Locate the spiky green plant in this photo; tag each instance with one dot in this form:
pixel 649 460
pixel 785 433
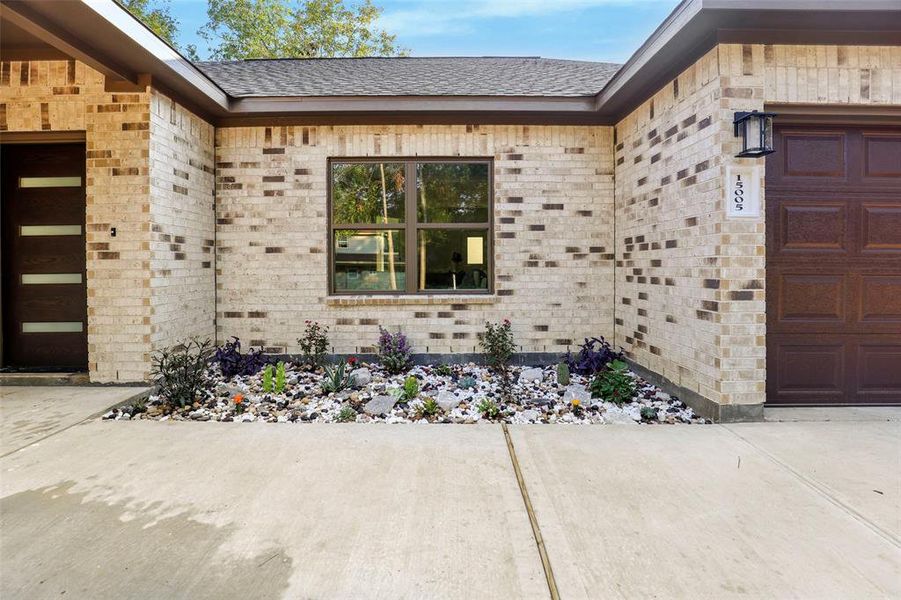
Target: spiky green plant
pixel 409 391
pixel 337 379
pixel 267 379
pixel 428 408
pixel 280 382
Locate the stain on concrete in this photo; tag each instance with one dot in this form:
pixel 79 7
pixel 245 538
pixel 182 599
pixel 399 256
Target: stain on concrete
pixel 60 543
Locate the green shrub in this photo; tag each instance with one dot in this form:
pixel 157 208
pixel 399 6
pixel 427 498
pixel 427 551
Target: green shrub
pixel 314 344
pixel 179 371
pixel 614 383
pixel 499 347
pixel 337 379
pixel 489 408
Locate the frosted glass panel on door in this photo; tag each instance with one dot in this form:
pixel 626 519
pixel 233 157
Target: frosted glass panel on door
pixel 34 230
pixel 49 182
pixel 53 327
pixel 49 278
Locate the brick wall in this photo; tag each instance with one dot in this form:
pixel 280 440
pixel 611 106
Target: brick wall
pixel 183 295
pixel 149 175
pixel 69 96
pixel 553 243
pixel 690 301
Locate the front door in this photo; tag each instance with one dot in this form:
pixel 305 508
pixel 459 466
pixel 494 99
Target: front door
pixel 43 261
pixel 833 197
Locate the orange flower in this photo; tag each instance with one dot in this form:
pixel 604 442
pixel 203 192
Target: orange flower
pixel 239 398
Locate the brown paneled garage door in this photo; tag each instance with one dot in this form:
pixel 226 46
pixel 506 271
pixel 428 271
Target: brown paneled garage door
pixel 833 215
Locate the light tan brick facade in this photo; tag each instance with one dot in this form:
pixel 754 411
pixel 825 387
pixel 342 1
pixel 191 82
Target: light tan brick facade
pixel 690 298
pixel 614 231
pixel 129 277
pixel 183 223
pixel 553 190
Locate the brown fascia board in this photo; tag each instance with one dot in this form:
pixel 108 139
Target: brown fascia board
pixel 382 110
pixel 696 26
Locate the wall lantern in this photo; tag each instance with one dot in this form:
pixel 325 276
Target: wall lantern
pixel 756 132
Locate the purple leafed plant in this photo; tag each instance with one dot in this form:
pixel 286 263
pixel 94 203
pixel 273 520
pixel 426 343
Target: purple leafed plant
pixel 232 362
pixel 395 351
pixel 593 356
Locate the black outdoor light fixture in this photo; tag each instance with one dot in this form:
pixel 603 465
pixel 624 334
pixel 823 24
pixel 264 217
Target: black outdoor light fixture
pixel 756 132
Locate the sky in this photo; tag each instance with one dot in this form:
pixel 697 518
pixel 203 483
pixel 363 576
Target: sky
pixel 597 30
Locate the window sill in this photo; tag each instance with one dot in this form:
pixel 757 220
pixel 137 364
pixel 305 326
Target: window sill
pixel 410 299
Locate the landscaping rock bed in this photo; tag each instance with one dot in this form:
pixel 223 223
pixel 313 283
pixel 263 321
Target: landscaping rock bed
pixel 459 393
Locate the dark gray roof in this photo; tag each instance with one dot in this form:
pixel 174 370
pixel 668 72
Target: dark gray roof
pixel 410 76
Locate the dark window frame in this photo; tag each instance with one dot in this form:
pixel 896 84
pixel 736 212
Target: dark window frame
pixel 410 227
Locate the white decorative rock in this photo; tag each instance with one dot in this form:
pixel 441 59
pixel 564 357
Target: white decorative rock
pixel 379 405
pixel 618 416
pixel 530 414
pixel 447 400
pixel 361 377
pixel 577 392
pixel 533 374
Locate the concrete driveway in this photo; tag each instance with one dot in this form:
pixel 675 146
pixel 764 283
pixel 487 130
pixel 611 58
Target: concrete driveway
pixel 207 510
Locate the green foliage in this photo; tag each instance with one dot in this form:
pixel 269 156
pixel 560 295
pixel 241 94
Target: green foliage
pixel 563 374
pixel 368 192
pixel 179 371
pixel 489 408
pixel 139 406
pixel 280 382
pixel 444 370
pixel 498 344
pixel 614 383
pixel 337 379
pixel 467 383
pixel 156 15
pixel 295 29
pixel 346 415
pixel 409 391
pixel 649 413
pixel 428 408
pixel 267 379
pixel 314 343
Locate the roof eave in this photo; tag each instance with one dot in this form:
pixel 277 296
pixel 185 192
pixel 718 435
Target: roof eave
pixel 695 26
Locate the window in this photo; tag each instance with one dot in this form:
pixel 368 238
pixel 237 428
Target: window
pixel 410 226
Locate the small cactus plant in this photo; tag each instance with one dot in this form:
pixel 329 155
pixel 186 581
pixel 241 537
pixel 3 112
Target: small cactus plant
pixel 563 374
pixel 267 379
pixel 280 378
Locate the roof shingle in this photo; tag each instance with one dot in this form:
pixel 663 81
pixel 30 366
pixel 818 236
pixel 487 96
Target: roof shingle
pixel 410 76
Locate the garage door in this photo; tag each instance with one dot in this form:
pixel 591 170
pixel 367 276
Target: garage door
pixel 833 215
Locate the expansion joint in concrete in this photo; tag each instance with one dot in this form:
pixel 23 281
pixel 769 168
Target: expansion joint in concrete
pixel 822 490
pixel 533 520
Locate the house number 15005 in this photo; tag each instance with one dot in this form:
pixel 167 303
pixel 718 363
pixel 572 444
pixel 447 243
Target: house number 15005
pixel 742 192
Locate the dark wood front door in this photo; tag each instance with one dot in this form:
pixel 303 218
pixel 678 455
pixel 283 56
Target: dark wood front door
pixel 44 293
pixel 833 212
